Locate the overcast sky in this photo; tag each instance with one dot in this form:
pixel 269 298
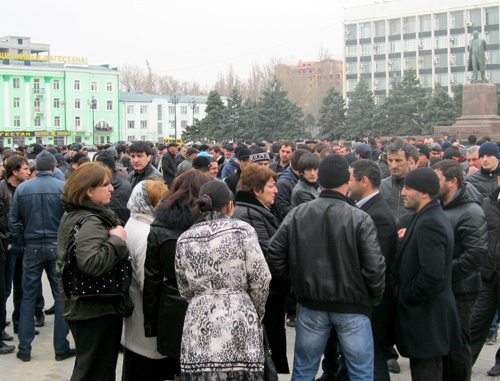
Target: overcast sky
pixel 189 40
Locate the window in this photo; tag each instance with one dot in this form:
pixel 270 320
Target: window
pixel 36 86
pixel 394 27
pixel 94 103
pixel 352 51
pixel 440 21
pixel 144 109
pixel 494 57
pixel 19 41
pixel 365 67
pixel 409 25
pixel 131 138
pixel 395 46
pixel 131 124
pixel 78 121
pixel 457 19
pixel 109 105
pixel 425 23
pixel 475 17
pixel 76 85
pixel 366 30
pixel 184 110
pixel 491 15
pixel 351 68
pixel 184 124
pixel 93 86
pixel 160 112
pixel 380 66
pixel 57 84
pixel 160 128
pixel 379 28
pixel 351 84
pixel 16 83
pixel 410 63
pixel 197 110
pixel 144 124
pixel 366 50
pixel 171 109
pixel 109 86
pixel 78 103
pixel 38 121
pixel 459 40
pixel 492 37
pixel 144 138
pixel 59 140
pixel 17 121
pixel 350 31
pixel 425 43
pixel 17 102
pixel 441 42
pixel 57 121
pixel 172 124
pixel 395 65
pixel 130 109
pixel 37 105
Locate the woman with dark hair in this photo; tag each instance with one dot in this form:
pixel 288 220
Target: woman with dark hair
pixel 222 273
pixel 255 204
pixel 95 323
pixel 307 187
pixel 164 308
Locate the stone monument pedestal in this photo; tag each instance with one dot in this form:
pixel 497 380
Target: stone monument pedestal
pixel 479 113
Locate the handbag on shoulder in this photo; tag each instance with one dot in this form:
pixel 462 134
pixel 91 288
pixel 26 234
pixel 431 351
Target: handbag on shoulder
pixel 115 282
pixel 270 372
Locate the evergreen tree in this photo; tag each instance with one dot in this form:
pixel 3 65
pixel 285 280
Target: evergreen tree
pixel 248 116
pixel 192 133
pixel 311 128
pixel 332 116
pixel 402 111
pixel 439 111
pixel 276 116
pixel 361 111
pixel 212 125
pixel 235 124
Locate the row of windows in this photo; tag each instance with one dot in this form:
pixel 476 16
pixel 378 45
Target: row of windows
pixel 421 62
pixel 56 85
pixel 37 121
pixel 424 23
pixel 442 42
pixel 144 124
pixel 171 110
pixel 426 80
pixel 57 104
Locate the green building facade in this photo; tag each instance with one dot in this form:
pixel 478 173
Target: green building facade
pixel 58 103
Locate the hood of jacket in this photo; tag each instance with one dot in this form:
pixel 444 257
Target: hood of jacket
pixel 288 174
pixel 178 216
pixel 139 200
pixel 466 194
pixel 91 207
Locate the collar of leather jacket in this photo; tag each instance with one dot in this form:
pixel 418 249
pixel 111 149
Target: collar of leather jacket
pixel 337 195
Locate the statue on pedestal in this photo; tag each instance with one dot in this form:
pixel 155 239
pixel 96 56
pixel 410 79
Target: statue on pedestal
pixel 477 58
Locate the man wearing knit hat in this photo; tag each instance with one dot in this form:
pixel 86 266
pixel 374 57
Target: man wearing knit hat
pixel 427 320
pixel 260 156
pixel 485 180
pixel 338 276
pixel 424 152
pixel 34 219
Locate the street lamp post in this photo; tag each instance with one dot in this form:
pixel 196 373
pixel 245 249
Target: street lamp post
pixel 93 103
pixel 174 99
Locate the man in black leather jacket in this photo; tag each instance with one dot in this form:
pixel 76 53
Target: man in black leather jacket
pixel 338 275
pixel 462 205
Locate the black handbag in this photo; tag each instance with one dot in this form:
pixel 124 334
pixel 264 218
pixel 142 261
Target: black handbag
pixel 115 282
pixel 270 372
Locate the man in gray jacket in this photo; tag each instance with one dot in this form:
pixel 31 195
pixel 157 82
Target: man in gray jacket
pixel 485 179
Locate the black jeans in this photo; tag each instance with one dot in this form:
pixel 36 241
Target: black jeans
pixel 457 366
pixel 2 286
pixel 138 368
pixel 482 315
pixel 426 369
pixel 97 343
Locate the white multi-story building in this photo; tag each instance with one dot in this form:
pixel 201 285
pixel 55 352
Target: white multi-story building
pixel 431 37
pixel 153 117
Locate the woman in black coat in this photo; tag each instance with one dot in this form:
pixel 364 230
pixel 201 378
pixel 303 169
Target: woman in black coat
pixel 164 308
pixel 254 204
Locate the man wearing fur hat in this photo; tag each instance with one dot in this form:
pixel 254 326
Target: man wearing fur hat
pixel 427 324
pixel 338 277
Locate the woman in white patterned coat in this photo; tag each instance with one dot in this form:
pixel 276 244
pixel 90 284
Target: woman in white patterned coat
pixel 222 272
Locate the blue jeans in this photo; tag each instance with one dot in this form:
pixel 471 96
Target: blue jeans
pixel 36 259
pixel 14 279
pixel 355 336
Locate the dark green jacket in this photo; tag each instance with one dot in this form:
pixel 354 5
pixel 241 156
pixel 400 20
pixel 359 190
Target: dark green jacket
pixel 97 253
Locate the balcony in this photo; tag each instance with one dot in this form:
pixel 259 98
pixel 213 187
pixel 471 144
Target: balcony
pixel 39 92
pixel 38 110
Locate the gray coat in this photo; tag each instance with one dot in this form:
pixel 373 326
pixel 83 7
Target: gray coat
pixel 304 192
pixel 391 189
pixel 484 181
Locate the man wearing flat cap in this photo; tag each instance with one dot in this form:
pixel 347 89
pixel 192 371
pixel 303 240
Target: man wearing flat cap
pixel 168 163
pixel 427 324
pixel 338 277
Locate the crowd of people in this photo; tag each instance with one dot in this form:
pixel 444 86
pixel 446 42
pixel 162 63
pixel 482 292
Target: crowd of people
pixel 370 250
